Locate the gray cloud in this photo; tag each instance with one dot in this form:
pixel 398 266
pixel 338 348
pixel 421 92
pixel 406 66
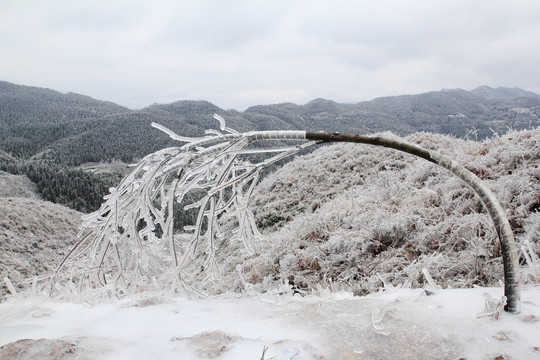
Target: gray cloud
pixel 242 53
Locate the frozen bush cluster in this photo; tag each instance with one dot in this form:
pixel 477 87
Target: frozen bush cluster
pixel 129 244
pixel 34 237
pixel 361 218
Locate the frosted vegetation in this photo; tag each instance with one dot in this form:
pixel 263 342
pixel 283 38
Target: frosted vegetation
pixel 17 186
pixel 359 218
pixel 345 217
pixel 34 234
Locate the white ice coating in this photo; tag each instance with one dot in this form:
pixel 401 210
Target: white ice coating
pixel 132 242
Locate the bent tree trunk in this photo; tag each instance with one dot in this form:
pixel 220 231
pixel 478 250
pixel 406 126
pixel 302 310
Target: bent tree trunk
pixel 494 208
pixel 114 237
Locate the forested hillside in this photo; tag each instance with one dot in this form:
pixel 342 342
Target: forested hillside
pixel 62 184
pixel 47 135
pixel 31 118
pixel 73 129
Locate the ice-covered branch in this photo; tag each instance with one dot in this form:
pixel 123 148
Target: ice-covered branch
pixel 131 238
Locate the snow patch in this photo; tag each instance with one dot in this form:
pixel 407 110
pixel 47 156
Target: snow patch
pixel 401 323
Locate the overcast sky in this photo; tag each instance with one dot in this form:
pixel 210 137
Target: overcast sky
pixel 242 53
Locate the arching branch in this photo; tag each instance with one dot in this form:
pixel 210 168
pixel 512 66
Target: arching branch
pixel 116 243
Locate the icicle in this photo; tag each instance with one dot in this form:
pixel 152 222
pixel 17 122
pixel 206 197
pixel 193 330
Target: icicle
pixel 222 125
pixel 174 135
pixel 377 316
pixel 10 286
pixel 433 286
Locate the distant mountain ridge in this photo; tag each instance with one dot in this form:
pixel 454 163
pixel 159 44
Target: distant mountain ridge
pixel 502 92
pixel 72 129
pixel 47 135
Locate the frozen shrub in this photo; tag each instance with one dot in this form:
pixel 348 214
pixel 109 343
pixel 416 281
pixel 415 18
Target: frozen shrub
pixel 34 237
pixel 392 214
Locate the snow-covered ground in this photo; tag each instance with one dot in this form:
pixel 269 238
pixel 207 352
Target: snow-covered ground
pixel 394 324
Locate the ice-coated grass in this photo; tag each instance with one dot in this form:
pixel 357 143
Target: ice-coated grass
pixel 358 217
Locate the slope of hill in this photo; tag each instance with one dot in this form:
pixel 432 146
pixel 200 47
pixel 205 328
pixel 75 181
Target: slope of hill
pixel 502 92
pixel 73 187
pixel 17 186
pixel 345 217
pixel 456 112
pixel 45 129
pixel 352 217
pixel 34 235
pixel 32 118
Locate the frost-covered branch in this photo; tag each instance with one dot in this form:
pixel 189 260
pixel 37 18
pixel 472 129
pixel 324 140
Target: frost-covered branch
pixel 122 241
